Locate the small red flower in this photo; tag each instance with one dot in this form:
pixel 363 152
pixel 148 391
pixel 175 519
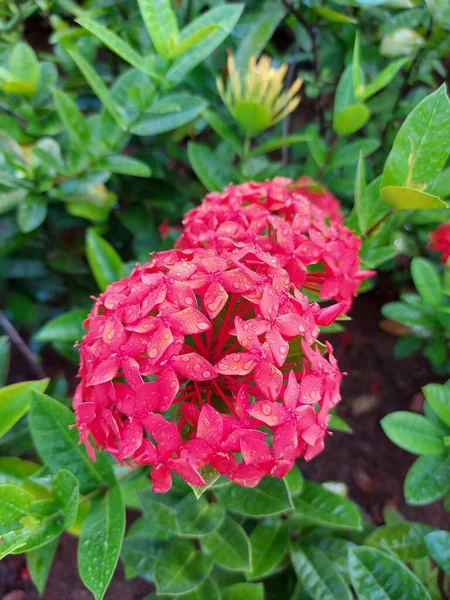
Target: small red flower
pixel 185 361
pixel 298 222
pixel 440 241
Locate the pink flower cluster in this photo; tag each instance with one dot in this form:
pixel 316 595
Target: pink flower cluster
pixel 294 221
pixel 200 359
pixel 440 241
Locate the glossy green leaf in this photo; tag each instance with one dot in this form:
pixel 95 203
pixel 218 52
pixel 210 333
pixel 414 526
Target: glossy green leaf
pixel 337 424
pixel 350 119
pixel 317 505
pixel 375 574
pixel 438 397
pixel 106 265
pixel 18 472
pixel 161 510
pixel 15 503
pixel 23 63
pixel 275 143
pixel 139 554
pixel 168 113
pixel 119 46
pixel 100 542
pixel 420 149
pixel 57 442
pixel 197 517
pixel 270 497
pixel 31 213
pixel 228 546
pixel 207 166
pixel 161 24
pixel 225 17
pixel 71 116
pixel 15 401
pixel 362 206
pixel 401 42
pixel 410 316
pixel 383 79
pixel 294 481
pixel 428 479
pixel 125 165
pixel 67 327
pixel 179 48
pixel 221 127
pixel 317 574
pixel 357 73
pixel 427 281
pixel 39 563
pixel 269 541
pixel 179 568
pixel 438 545
pixel 413 433
pixel 333 16
pixel 259 34
pixel 404 198
pixel 66 493
pixel 5 355
pixel 207 590
pixel 348 153
pixel 99 88
pixel 243 591
pixel 405 540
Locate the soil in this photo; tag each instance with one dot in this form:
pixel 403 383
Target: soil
pixel 371 466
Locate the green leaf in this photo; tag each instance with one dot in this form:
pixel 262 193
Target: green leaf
pixel 39 563
pixel 383 78
pixel 161 24
pixel 268 498
pixel 225 17
pixel 421 148
pixel 269 541
pixel 358 75
pixel 401 42
pixel 375 574
pixel 15 503
pixel 66 493
pixel 100 542
pixel 332 15
pixel 139 553
pixel 168 113
pixel 427 480
pixel 405 540
pixel 260 33
pixel 413 433
pixel 17 471
pixel 5 355
pixel 221 127
pixel 67 327
pixel 337 424
pixel 294 481
pixel 177 49
pixel 243 591
pixel 317 574
pixel 350 119
pixel 179 568
pixel 228 546
pixel 362 206
pixel 23 70
pixel 106 265
pixel 71 116
pixel 197 517
pixel 119 46
pixel 57 442
pixel 15 401
pixel 348 153
pixel 207 590
pixel 161 511
pixel 125 165
pixel 98 87
pixel 438 545
pixel 410 316
pixel 209 169
pixel 404 198
pixel 439 398
pixel 31 213
pixel 275 143
pixel 427 281
pixel 317 505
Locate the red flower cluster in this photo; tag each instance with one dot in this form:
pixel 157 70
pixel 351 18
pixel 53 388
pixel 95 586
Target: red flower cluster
pixel 199 359
pixel 293 221
pixel 440 241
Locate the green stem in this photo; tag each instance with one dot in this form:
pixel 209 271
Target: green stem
pixel 246 148
pixel 379 222
pixel 104 487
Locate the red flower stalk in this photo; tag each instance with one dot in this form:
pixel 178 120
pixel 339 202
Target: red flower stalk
pixel 291 220
pixel 440 241
pixel 185 361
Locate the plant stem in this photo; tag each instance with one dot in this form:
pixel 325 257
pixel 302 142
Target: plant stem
pixel 105 487
pixel 329 156
pixel 17 340
pixel 246 149
pixel 378 223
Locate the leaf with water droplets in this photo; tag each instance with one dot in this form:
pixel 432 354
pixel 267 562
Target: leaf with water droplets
pixel 269 498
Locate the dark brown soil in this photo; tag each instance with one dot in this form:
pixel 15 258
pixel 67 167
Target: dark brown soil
pixel 372 467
